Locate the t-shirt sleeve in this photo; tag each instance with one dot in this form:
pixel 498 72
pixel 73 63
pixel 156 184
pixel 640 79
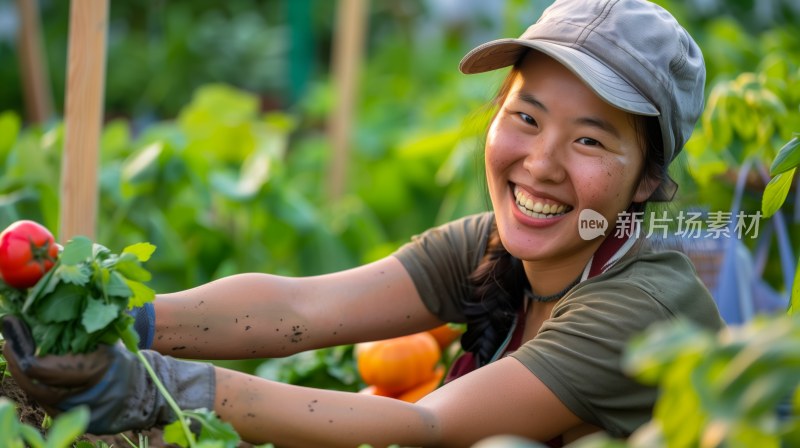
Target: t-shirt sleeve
pixel 578 353
pixel 441 259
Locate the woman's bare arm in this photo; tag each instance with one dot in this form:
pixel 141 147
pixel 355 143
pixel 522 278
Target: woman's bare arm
pixel 262 315
pixel 501 398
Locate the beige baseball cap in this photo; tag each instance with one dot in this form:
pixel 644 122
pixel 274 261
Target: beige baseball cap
pixel 631 53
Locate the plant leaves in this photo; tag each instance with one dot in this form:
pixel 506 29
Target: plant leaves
pixel 141 294
pixel 81 342
pixel 649 356
pixel 775 193
pixel 128 265
pixel 788 157
pixel 76 250
pixel 44 286
pixel 794 300
pixel 76 274
pixel 67 427
pixel 9 426
pixel 173 433
pixel 143 251
pixel 214 429
pixel 46 336
pixel 98 314
pixel 32 436
pixel 116 286
pixel 63 304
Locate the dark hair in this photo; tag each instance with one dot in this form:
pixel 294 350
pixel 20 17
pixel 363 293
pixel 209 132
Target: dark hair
pixel 499 281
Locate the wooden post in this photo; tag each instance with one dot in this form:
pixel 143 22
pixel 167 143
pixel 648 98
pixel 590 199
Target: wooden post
pixel 348 43
pixel 33 64
pixel 83 116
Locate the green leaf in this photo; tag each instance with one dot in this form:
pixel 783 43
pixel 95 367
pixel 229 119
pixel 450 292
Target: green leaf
pixel 63 304
pixel 775 193
pixel 651 355
pixel 47 336
pixel 141 294
pixel 254 173
pixel 76 250
pixel 87 444
pixel 116 286
pixel 214 429
pixel 142 165
pixel 98 314
pixel 129 266
pixel 44 286
pixel 100 252
pixel 794 303
pixel 76 274
pixel 10 124
pixel 32 436
pixel 9 425
pixel 129 336
pixel 788 157
pixel 143 251
pixel 67 427
pixel 81 342
pixel 173 433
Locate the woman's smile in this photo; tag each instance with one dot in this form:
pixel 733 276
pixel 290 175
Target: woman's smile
pixel 536 206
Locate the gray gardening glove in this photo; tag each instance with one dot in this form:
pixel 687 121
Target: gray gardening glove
pixel 111 381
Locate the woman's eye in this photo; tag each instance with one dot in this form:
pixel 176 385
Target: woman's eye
pixel 527 118
pixel 589 141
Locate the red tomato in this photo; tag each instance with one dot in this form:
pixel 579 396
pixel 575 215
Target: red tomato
pixel 27 252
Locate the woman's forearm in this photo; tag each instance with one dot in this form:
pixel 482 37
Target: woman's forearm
pixel 242 316
pixel 264 411
pixel 261 315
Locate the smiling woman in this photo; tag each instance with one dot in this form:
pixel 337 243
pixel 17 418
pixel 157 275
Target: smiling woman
pixel 600 98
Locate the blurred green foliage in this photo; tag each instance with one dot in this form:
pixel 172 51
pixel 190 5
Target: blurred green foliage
pixel 743 386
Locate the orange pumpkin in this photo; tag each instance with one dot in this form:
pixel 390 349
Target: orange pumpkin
pixel 398 364
pixel 415 393
pixel 445 335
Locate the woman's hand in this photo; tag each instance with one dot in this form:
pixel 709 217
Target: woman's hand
pixel 111 381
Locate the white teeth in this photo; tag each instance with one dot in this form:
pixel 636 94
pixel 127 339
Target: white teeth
pixel 538 209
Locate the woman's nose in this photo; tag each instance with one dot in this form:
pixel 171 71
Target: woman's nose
pixel 545 161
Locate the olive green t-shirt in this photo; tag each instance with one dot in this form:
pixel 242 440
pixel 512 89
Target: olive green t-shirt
pixel 577 352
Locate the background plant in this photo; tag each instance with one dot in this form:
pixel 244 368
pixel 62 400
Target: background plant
pixel 62 434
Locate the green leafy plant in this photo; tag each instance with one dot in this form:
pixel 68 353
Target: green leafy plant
pixel 81 301
pixel 739 387
pixel 328 368
pixel 62 434
pixel 782 171
pixel 737 380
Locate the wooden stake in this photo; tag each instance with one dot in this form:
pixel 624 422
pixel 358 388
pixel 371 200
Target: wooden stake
pixel 83 116
pixel 33 64
pixel 348 43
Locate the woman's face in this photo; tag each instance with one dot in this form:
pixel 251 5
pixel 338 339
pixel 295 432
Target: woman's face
pixel 553 149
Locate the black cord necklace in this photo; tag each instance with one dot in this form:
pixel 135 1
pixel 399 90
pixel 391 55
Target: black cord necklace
pixel 529 294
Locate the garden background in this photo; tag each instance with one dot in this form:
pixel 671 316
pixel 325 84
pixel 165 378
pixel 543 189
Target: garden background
pixel 216 145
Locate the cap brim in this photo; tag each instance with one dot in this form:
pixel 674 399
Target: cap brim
pixel 597 76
